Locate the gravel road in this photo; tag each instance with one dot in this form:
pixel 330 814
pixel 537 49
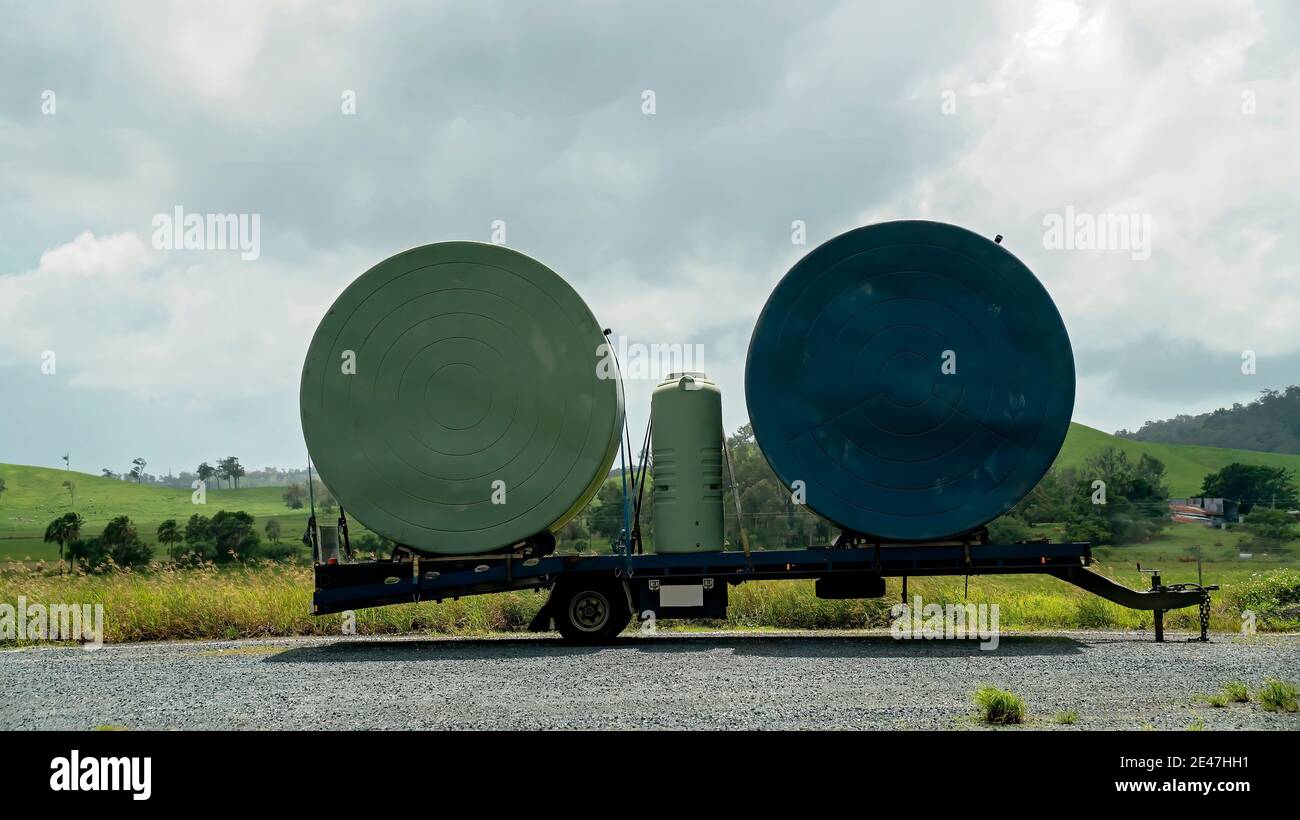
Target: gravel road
pixel 695 681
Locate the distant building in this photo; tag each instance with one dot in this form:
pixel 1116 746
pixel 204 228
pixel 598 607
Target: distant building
pixel 1211 512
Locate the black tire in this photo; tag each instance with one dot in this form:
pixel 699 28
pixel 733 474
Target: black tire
pixel 589 610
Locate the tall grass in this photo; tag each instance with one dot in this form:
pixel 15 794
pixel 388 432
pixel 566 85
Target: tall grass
pixel 274 599
pixel 261 600
pixel 1278 696
pixel 998 706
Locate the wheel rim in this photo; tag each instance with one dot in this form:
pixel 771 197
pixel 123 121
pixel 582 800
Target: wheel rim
pixel 589 611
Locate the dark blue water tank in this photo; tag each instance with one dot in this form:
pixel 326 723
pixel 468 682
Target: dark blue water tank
pixel 914 376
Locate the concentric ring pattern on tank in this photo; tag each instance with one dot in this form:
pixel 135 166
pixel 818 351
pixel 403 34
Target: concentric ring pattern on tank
pixel 910 380
pixel 452 400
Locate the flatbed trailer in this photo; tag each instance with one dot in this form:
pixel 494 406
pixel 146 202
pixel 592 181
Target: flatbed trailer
pixel 594 597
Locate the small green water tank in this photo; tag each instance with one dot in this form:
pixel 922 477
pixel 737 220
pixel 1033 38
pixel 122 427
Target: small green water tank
pixel 686 431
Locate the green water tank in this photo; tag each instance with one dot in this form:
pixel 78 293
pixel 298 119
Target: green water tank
pixel 686 432
pixel 454 400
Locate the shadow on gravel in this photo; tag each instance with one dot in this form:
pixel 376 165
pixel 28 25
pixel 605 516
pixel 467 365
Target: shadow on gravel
pixel 777 646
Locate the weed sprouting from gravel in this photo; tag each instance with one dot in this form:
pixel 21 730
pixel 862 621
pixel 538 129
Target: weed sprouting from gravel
pixel 998 706
pixel 1068 717
pixel 1236 692
pixel 1218 701
pixel 1278 696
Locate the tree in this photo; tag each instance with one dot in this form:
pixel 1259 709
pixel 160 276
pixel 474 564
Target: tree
pixel 230 469
pixel 294 496
pixel 1251 484
pixel 606 516
pixel 1049 501
pixel 205 472
pixel 123 543
pixel 277 550
pixel 373 545
pixel 1266 424
pixel 63 530
pixel 108 473
pixel 72 490
pixel 324 498
pixel 1134 506
pixel 89 552
pixel 169 535
pixel 1269 529
pixel 234 536
pixel 2 486
pixel 137 469
pixel 198 537
pixel 197 528
pixel 1009 529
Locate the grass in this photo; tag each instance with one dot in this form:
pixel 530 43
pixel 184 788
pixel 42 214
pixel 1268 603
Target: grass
pixel 1236 692
pixel 998 707
pixel 34 496
pixel 1068 717
pixel 1278 696
pixel 274 599
pixel 1232 692
pixel 1185 464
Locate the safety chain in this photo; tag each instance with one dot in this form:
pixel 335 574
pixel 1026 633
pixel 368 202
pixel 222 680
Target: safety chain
pixel 1205 617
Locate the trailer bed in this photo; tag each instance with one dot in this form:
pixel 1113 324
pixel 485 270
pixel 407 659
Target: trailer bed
pixel 694 584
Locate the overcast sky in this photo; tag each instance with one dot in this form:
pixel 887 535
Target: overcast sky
pixel 673 225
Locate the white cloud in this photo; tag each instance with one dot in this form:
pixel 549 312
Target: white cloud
pixel 199 328
pixel 673 227
pixel 1117 109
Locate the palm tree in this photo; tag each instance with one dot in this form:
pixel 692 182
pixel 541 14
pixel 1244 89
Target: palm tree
pixel 169 533
pixel 64 529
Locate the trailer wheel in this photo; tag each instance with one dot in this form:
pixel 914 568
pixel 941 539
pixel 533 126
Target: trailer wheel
pixel 590 611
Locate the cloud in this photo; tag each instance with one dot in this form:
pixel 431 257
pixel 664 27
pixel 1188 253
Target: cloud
pixel 1107 108
pixel 202 328
pixel 674 227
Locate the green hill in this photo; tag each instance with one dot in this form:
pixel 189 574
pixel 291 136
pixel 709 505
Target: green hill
pixel 1270 423
pixel 1186 464
pixel 36 495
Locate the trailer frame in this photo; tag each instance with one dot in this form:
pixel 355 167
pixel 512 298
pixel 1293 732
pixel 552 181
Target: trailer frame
pixel 694 585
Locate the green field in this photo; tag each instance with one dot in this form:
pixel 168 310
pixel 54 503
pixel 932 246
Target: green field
pixel 1186 464
pixel 35 495
pixel 262 599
